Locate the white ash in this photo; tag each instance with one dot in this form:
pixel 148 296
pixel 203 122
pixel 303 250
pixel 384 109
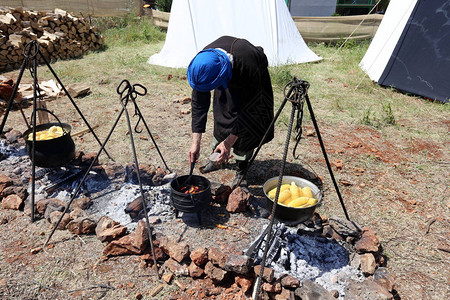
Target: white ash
pixel 12 150
pixel 113 204
pixel 338 279
pixel 312 257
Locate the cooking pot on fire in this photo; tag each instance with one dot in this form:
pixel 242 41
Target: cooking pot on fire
pixel 292 214
pixel 54 152
pixel 190 196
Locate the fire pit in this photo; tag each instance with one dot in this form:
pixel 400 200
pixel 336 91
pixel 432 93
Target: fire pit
pixel 192 197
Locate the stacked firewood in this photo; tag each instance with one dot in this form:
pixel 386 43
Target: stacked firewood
pixel 60 35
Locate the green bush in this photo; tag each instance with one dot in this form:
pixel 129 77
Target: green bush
pixel 164 5
pixel 132 29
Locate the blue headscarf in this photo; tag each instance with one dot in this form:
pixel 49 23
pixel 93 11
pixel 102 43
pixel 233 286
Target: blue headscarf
pixel 208 70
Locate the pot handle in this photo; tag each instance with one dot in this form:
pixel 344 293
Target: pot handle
pixel 50 112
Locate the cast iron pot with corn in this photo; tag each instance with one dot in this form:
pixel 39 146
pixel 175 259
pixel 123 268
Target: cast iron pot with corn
pixel 54 146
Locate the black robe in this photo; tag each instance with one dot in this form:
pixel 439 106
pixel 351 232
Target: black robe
pixel 245 109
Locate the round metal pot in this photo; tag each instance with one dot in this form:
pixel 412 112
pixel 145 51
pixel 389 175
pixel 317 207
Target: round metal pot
pixel 54 152
pixel 292 214
pixel 190 202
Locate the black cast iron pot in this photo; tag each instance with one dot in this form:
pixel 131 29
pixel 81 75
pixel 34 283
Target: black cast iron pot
pixel 190 202
pixel 294 215
pixel 54 152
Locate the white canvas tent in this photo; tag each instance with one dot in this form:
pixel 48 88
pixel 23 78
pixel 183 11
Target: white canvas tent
pixel 194 24
pixel 411 48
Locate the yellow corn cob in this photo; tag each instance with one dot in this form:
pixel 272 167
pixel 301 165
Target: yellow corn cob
pixel 295 193
pixel 273 192
pixel 284 196
pixel 312 201
pixel 306 191
pixel 298 201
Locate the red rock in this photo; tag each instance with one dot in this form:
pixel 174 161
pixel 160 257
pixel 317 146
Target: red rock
pixel 268 273
pixel 13 136
pixel 114 170
pixel 107 229
pixel 122 246
pixel 285 295
pixel 81 226
pixel 244 282
pixel 18 190
pixel 42 204
pixel 289 281
pixel 272 288
pixel 141 236
pixel 77 212
pixel 383 278
pixel 368 242
pixel 176 250
pixel 367 264
pixel 368 289
pixel 199 256
pixel 87 158
pixel 238 200
pixel 217 257
pixel 195 271
pixel 54 217
pixel 5 181
pixel 221 194
pixel 167 277
pixel 82 203
pixel 160 255
pixel 176 268
pixel 217 275
pixel 239 264
pixel 12 202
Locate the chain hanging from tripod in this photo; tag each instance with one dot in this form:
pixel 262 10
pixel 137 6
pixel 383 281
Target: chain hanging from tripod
pixel 297 98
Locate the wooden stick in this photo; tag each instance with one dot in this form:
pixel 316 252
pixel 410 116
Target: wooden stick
pixel 83 131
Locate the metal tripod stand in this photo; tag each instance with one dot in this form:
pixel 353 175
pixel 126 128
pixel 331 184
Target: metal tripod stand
pixel 296 92
pixel 128 93
pixel 32 53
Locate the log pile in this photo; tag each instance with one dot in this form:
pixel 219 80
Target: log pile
pixel 60 35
